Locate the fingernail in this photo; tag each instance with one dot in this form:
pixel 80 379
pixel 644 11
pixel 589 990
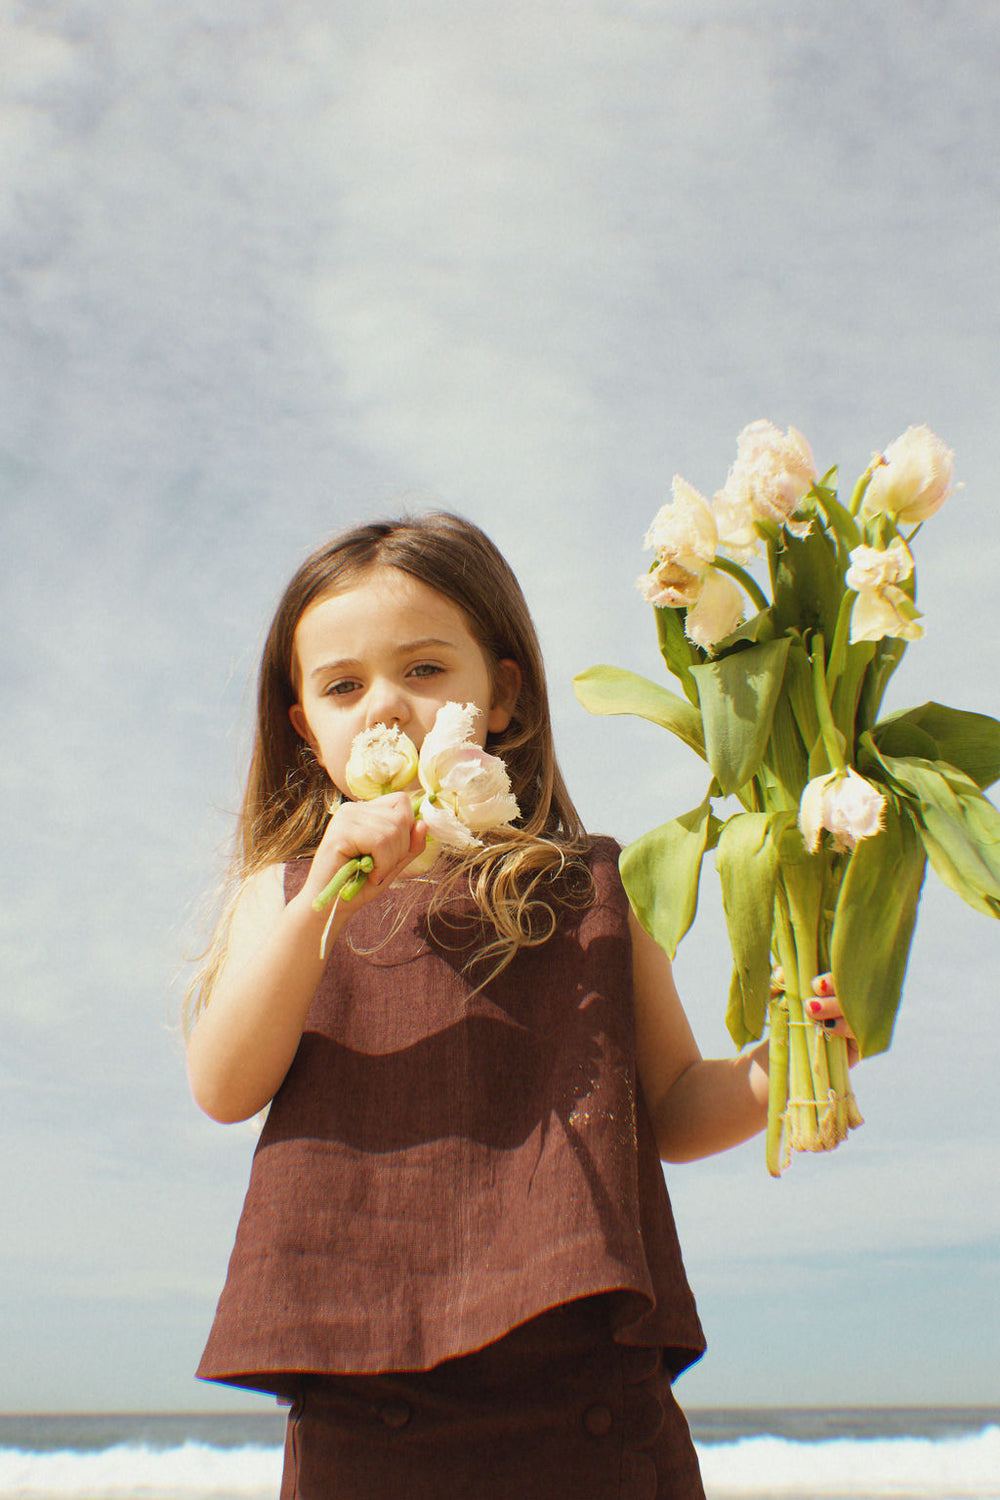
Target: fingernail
pixel 824 986
pixel 814 1007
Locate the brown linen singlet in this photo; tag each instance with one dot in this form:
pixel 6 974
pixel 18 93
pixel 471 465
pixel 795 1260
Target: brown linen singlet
pixel 443 1164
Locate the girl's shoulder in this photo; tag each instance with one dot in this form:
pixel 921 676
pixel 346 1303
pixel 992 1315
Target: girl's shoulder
pixel 602 857
pixel 603 849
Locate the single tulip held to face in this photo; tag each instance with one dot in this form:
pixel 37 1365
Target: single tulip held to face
pixel 463 790
pixel 381 760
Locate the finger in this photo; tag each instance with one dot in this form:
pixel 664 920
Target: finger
pixel 415 847
pixel 828 1014
pixel 822 1010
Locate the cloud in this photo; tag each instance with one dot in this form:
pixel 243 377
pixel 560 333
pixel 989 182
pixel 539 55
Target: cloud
pixel 270 269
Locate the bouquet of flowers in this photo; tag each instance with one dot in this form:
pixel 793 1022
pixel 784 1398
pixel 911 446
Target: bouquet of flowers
pixel 840 810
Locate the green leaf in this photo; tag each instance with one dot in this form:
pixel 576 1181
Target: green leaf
pixel 808 584
pixel 747 861
pixel 738 696
pixel 966 740
pixel 798 682
pixel 847 693
pixel 958 826
pixel 735 1022
pixel 840 520
pixel 888 655
pixel 759 627
pixel 873 928
pixel 677 651
pixel 901 737
pixel 660 873
pixel 787 756
pixel 613 690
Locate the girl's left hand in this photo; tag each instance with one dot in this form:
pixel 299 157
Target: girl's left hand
pixel 826 1009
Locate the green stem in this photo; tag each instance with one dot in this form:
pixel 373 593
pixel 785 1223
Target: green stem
pixel 824 712
pixel 347 882
pixel 743 578
pixel 777 1084
pixel 836 1051
pixel 801 1126
pixel 804 887
pixel 331 891
pixel 862 485
pixel 838 651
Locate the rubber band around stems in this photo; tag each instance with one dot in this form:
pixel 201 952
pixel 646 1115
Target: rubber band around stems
pixel 831 1098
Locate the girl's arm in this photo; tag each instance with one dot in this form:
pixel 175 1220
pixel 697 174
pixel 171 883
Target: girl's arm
pixel 697 1105
pixel 243 1042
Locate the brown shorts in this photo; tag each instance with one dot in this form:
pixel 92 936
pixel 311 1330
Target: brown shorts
pixel 555 1411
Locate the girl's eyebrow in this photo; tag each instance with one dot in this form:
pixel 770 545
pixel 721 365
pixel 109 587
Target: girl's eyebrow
pixel 406 648
pixel 428 640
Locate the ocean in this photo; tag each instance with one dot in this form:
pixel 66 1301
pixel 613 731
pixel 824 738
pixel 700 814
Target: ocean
pixel 908 1453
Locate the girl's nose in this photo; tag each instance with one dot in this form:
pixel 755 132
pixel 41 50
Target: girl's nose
pixel 387 705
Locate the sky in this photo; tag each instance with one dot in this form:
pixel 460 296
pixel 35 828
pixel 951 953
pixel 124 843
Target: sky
pixel 273 268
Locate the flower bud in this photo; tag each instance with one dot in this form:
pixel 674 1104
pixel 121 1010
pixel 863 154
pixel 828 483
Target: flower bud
pixel 717 612
pixel 468 790
pixel 843 803
pixel 773 473
pixel 381 760
pixel 881 608
pixel 913 480
pixel 874 567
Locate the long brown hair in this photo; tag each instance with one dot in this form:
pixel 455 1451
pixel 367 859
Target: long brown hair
pixel 286 803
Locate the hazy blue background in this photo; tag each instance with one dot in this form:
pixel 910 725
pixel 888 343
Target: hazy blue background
pixel 272 267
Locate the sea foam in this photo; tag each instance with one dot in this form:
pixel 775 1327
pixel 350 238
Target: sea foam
pixel 911 1468
pixel 771 1468
pixel 184 1473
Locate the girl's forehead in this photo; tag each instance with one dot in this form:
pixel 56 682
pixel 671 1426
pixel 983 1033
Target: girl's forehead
pixel 373 610
pixel 381 588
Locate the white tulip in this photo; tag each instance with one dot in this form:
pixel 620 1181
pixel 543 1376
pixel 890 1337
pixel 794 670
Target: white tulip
pixel 773 473
pixel 734 523
pixel 873 567
pixel 468 790
pixel 878 613
pixel 381 760
pixel 684 538
pixel 684 528
pixel 881 608
pixel 717 612
pixel 913 480
pixel 843 803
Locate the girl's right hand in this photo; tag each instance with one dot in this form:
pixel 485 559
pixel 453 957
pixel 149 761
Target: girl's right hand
pixel 385 828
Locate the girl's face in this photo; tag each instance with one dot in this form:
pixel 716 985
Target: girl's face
pixel 389 650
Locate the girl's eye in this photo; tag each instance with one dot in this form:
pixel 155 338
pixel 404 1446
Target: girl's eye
pixel 426 669
pixel 338 689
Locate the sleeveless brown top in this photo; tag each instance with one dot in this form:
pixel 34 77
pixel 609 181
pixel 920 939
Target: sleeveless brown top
pixel 443 1163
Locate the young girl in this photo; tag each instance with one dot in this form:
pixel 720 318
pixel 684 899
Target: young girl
pixel 456 1259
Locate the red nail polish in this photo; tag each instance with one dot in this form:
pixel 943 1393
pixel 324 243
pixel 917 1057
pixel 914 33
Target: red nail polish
pixel 814 1007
